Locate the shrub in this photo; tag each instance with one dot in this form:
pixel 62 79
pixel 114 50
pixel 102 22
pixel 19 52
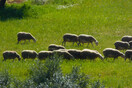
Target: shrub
pixel 17 12
pixel 49 75
pixel 4 79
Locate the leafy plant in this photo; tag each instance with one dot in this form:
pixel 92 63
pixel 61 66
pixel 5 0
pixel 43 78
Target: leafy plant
pixel 4 79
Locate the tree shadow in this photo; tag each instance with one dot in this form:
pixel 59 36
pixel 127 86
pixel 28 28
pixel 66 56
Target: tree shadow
pixel 14 12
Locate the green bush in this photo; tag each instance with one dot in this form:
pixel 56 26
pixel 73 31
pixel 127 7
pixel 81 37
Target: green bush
pixel 4 79
pixel 16 12
pixel 49 75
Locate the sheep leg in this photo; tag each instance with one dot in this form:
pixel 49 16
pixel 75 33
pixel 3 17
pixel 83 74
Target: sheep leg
pixel 4 59
pixel 24 41
pixel 105 58
pixel 79 44
pixel 73 43
pixel 18 42
pixel 92 44
pixel 13 59
pixel 114 59
pixel 131 58
pixel 88 45
pixel 63 43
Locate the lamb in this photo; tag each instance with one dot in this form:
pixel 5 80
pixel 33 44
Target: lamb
pixel 90 54
pixel 25 36
pixel 128 54
pixel 45 54
pixel 126 38
pixel 69 38
pixel 11 55
pixel 130 43
pixel 75 53
pixel 63 53
pixel 83 38
pixel 29 54
pixel 113 53
pixel 55 47
pixel 120 45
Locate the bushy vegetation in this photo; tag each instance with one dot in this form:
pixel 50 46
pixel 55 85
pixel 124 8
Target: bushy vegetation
pixel 16 12
pixel 49 75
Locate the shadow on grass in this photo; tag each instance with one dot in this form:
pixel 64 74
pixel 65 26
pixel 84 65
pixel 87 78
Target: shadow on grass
pixel 15 12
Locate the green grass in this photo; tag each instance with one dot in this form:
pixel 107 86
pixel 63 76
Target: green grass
pixel 106 20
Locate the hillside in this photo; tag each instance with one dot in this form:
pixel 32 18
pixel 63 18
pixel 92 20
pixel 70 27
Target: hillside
pixel 107 20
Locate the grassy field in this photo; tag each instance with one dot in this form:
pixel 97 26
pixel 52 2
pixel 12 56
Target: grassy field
pixel 106 20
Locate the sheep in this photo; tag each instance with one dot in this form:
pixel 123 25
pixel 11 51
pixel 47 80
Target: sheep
pixel 45 54
pixel 25 36
pixel 55 47
pixel 83 38
pixel 120 45
pixel 75 53
pixel 126 38
pixel 11 55
pixel 90 54
pixel 130 43
pixel 69 38
pixel 128 54
pixel 113 53
pixel 63 53
pixel 29 54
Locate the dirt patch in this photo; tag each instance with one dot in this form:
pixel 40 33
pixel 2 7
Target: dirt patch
pixel 14 1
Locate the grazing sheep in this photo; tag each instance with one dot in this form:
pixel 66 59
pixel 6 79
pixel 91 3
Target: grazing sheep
pixel 83 38
pixel 75 53
pixel 25 36
pixel 120 45
pixel 90 54
pixel 45 54
pixel 11 55
pixel 69 38
pixel 29 54
pixel 63 53
pixel 130 43
pixel 126 38
pixel 55 47
pixel 128 54
pixel 114 53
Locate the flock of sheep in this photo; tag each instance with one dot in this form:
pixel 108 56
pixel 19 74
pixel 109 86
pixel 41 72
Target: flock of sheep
pixel 124 44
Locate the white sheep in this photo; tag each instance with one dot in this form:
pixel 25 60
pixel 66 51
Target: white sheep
pixel 128 54
pixel 113 53
pixel 120 45
pixel 25 36
pixel 29 54
pixel 83 38
pixel 11 55
pixel 55 47
pixel 126 38
pixel 90 54
pixel 75 53
pixel 63 53
pixel 45 54
pixel 69 38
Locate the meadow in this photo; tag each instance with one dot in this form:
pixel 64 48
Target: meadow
pixel 107 20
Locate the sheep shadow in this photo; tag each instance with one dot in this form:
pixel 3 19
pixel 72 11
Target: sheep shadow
pixel 14 12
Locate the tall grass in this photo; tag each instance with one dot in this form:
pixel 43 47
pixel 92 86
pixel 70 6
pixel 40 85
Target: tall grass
pixel 106 20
